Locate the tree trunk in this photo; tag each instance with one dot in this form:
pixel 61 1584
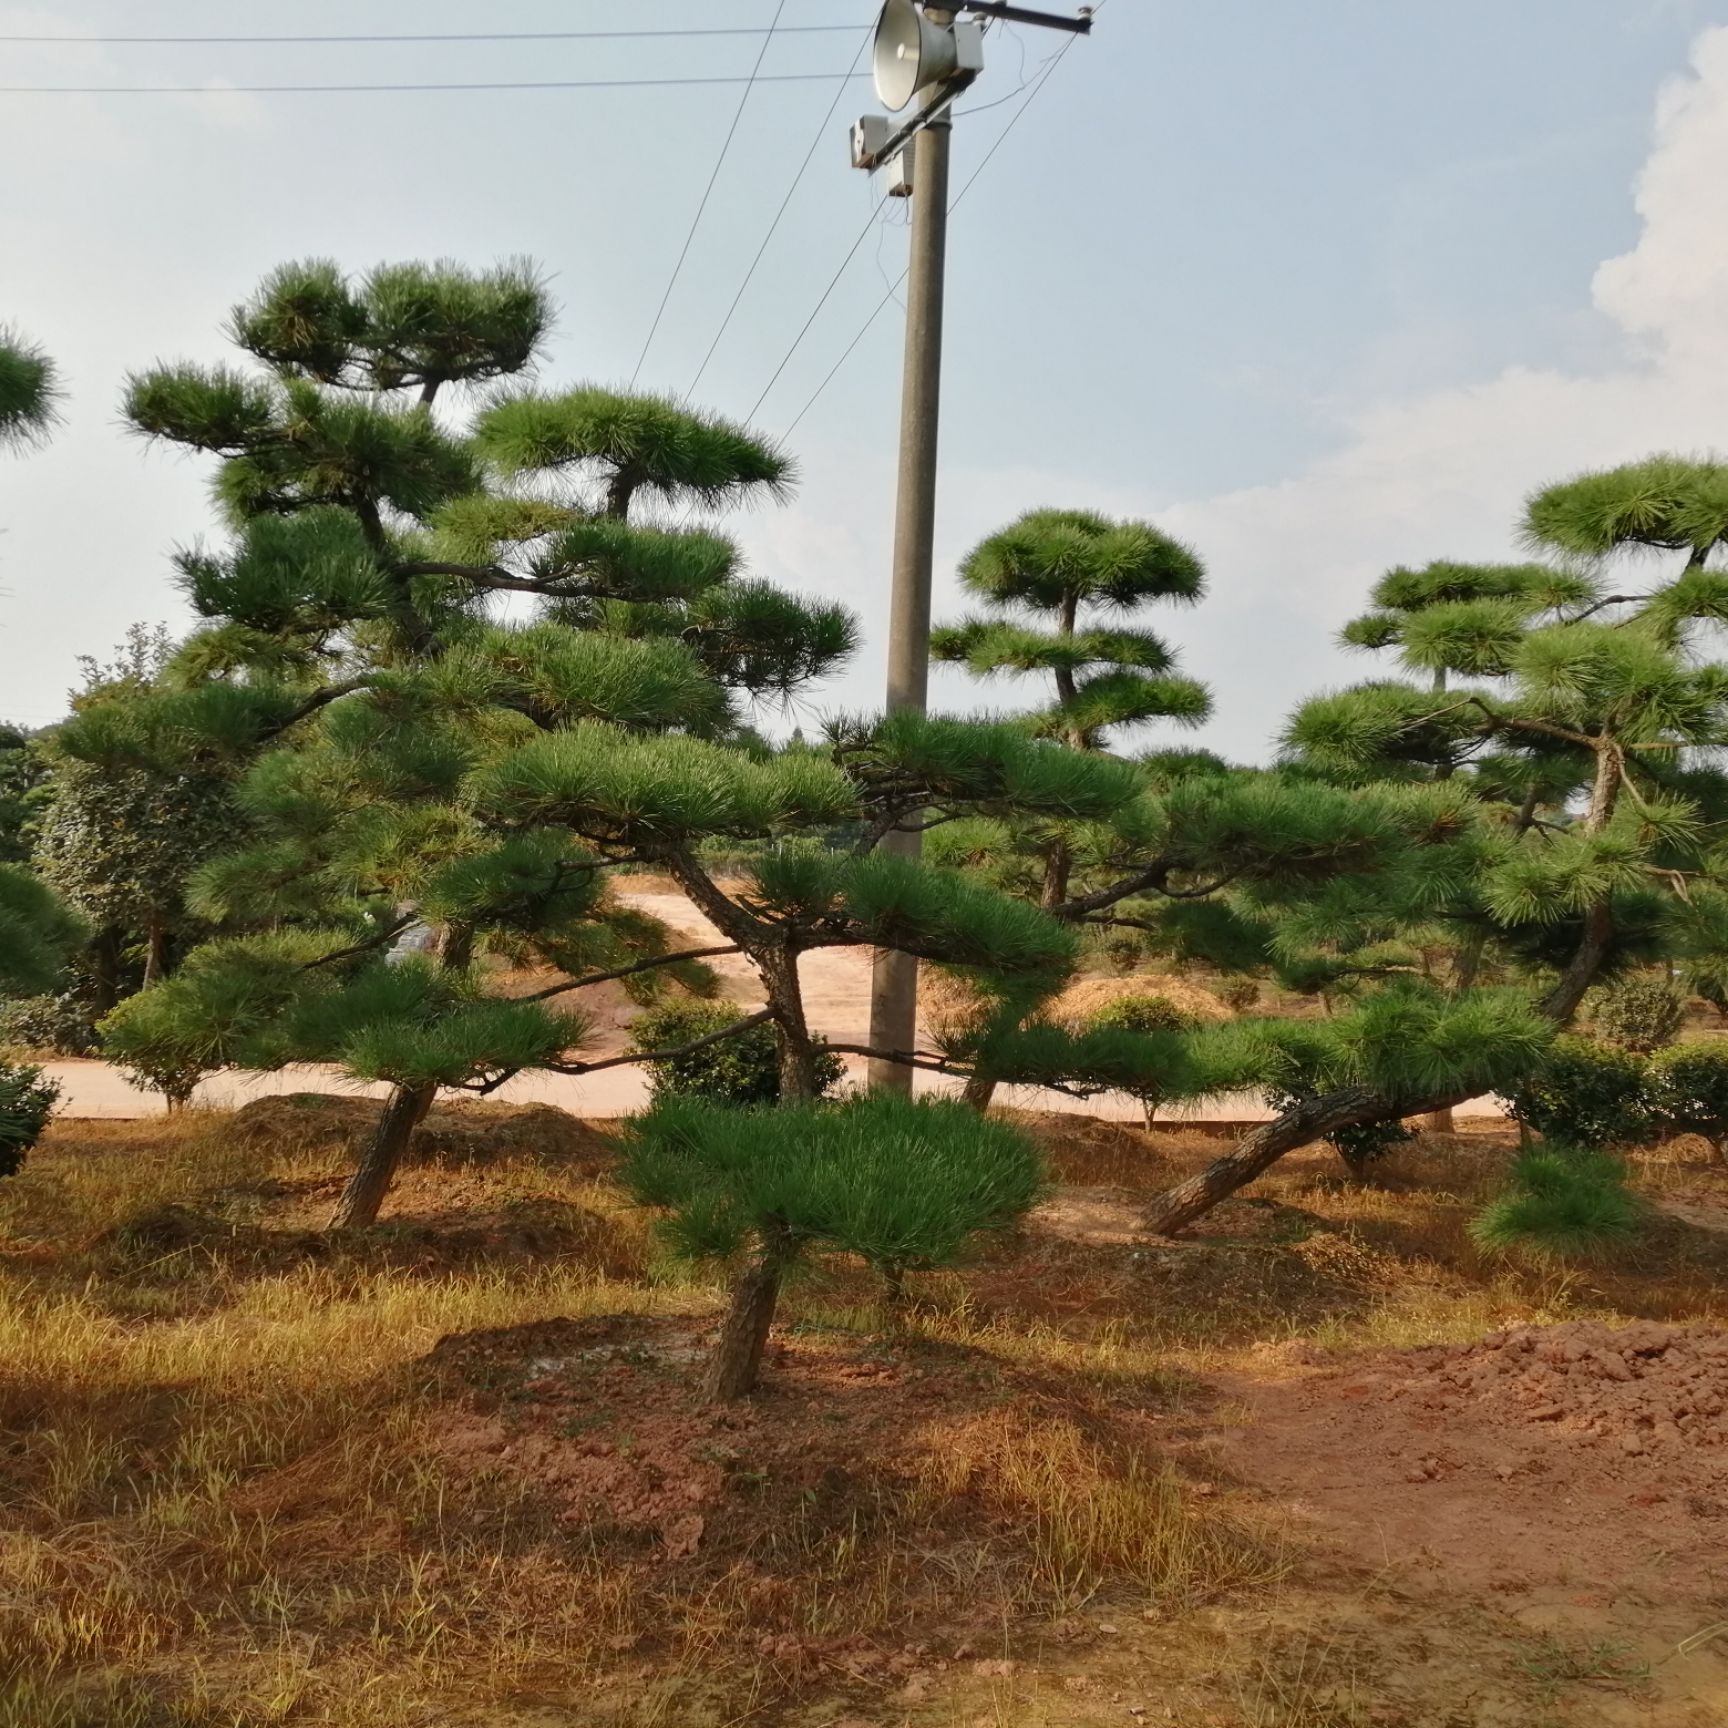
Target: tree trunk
pixel 737 1358
pixel 1264 1146
pixel 978 1092
pixel 1358 1106
pixel 403 1112
pixel 104 971
pixel 155 951
pixel 778 968
pixel 1437 1122
pixel 1149 1103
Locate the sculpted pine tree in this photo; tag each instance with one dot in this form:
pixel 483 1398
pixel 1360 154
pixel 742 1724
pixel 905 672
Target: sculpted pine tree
pixel 1599 813
pixel 349 673
pixel 29 391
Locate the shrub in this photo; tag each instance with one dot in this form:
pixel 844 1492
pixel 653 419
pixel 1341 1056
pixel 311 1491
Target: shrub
pixel 1689 1091
pixel 1241 994
pixel 26 1103
pixel 60 1023
pixel 1142 1014
pixel 1563 1203
pixel 1587 1094
pixel 157 1046
pixel 738 1071
pixel 1711 985
pixel 1639 1013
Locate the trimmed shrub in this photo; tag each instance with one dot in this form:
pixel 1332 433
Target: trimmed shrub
pixel 736 1071
pixel 1639 1013
pixel 1241 994
pixel 1588 1094
pixel 1562 1204
pixel 156 1046
pixel 1689 1089
pixel 1142 1014
pixel 26 1103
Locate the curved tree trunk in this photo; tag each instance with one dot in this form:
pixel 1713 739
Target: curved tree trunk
pixel 1357 1106
pixel 737 1358
pixel 978 1092
pixel 779 971
pixel 403 1112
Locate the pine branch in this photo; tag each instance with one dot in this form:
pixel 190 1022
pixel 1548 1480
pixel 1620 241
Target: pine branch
pixel 384 936
pixel 630 971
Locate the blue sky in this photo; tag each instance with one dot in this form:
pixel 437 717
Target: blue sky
pixel 1322 288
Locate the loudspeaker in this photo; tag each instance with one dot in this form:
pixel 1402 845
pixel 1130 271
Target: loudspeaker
pixel 911 53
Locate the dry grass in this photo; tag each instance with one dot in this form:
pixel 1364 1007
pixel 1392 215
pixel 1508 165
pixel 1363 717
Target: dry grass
pixel 225 1504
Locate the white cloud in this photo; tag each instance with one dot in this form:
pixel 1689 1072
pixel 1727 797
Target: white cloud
pixel 1439 474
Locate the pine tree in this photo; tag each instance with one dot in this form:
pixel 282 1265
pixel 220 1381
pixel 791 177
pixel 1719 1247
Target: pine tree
pixel 350 677
pixel 29 391
pixel 1599 814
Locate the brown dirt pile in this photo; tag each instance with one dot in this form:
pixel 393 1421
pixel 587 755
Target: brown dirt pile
pixel 1080 1001
pixel 1539 1456
pixel 459 1132
pixel 1637 1387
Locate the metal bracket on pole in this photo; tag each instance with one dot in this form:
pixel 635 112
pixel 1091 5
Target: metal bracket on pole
pixel 1080 25
pixel 872 144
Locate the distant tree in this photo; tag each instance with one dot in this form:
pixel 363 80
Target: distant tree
pixel 29 391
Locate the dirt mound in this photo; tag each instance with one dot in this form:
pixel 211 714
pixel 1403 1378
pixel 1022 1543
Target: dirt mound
pixel 1637 1387
pixel 1516 1463
pixel 460 1132
pixel 1080 1001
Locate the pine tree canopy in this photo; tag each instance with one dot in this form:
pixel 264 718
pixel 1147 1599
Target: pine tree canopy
pixel 37 934
pixel 1673 503
pixel 28 391
pixel 1052 564
pixel 401 325
pixel 610 446
pixel 900 1184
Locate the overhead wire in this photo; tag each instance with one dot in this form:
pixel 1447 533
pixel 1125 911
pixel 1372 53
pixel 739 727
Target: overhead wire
pixel 440 36
pixel 797 180
pixel 1038 82
pixel 748 81
pixel 707 191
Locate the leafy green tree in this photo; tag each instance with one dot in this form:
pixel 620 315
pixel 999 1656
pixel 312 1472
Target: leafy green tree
pixel 902 1185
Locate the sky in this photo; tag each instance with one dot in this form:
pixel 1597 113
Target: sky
pixel 1319 289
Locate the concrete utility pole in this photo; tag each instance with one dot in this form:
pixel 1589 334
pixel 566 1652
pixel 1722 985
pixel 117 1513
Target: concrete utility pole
pixel 919 51
pixel 894 981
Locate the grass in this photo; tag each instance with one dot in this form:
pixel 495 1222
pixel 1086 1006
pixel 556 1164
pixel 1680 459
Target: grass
pixel 227 1500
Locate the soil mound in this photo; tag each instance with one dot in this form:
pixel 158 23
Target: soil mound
pixel 1638 1387
pixel 1080 1001
pixel 459 1132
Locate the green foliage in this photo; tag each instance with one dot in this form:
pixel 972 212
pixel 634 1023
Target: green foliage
pixel 620 444
pixel 60 1023
pixel 1562 1204
pixel 1148 1013
pixel 401 325
pixel 26 1103
pixel 736 1071
pixel 610 786
pixel 37 933
pixel 1587 1094
pixel 1666 501
pixel 900 1184
pixel 1053 563
pixel 29 391
pixel 24 776
pixel 1689 1087
pixel 1639 1013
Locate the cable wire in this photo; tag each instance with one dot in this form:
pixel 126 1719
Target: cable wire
pixel 797 180
pixel 833 283
pixel 441 36
pixel 707 191
pixel 376 89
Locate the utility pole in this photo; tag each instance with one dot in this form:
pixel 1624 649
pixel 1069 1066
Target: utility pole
pixel 894 979
pixel 919 51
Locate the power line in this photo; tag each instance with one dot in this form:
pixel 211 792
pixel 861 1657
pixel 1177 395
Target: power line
pixel 797 180
pixel 375 89
pixel 707 191
pixel 833 283
pixel 441 36
pixel 1038 84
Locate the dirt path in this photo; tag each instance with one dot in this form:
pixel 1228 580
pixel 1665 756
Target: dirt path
pixel 837 998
